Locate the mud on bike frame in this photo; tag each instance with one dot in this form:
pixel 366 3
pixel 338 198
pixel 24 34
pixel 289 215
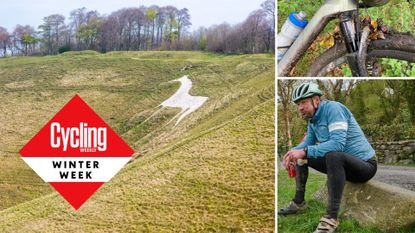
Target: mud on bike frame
pixel 346 11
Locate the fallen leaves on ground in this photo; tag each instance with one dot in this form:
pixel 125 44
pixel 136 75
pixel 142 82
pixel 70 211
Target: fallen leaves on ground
pixel 328 41
pixel 377 29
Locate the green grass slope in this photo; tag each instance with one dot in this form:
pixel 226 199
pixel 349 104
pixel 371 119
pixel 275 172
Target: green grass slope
pixel 212 172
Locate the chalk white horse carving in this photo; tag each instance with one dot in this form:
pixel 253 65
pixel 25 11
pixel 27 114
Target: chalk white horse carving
pixel 182 99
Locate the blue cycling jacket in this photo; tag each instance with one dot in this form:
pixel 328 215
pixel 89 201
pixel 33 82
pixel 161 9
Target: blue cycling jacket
pixel 334 128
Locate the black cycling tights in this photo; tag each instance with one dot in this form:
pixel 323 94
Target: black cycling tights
pixel 339 167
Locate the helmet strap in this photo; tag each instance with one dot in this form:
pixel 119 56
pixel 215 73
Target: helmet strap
pixel 315 108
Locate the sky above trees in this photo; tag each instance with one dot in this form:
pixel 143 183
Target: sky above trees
pixel 202 13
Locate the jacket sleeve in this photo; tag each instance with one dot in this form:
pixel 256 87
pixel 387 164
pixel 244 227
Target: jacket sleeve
pixel 310 139
pixel 337 122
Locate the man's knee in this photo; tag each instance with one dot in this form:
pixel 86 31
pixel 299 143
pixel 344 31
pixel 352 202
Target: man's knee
pixel 301 169
pixel 334 157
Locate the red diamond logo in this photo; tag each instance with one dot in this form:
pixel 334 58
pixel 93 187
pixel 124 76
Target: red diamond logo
pixel 76 152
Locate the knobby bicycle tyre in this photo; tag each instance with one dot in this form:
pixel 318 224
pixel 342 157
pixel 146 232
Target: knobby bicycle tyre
pixel 396 45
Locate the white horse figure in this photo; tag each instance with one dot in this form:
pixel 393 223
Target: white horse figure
pixel 182 99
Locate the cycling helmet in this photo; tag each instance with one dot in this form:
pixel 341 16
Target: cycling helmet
pixel 306 90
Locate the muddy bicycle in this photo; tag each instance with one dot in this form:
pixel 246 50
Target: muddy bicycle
pixel 356 49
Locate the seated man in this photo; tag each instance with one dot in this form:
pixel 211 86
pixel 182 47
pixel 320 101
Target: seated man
pixel 334 145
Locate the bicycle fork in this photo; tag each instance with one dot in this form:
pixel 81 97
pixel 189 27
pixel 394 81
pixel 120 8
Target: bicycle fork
pixel 350 32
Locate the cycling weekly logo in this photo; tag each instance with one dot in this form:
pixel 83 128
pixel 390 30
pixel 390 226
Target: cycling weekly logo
pixel 76 152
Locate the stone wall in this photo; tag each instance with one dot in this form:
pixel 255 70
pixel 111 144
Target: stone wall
pixel 402 152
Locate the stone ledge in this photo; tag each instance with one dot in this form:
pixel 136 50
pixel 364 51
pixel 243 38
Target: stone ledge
pixel 376 204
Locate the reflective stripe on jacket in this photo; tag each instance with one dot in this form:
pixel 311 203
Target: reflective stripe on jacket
pixel 334 128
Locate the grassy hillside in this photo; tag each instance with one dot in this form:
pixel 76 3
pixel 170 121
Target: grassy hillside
pixel 212 172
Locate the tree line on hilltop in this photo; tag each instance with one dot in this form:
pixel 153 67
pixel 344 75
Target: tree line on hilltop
pixel 142 28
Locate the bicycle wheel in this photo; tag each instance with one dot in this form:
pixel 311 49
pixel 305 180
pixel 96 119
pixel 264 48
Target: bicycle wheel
pixel 399 46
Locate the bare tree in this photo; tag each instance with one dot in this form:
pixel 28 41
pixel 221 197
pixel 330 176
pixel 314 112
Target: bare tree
pixel 256 26
pixel 269 7
pixel 4 40
pixel 24 39
pixel 77 19
pixel 152 16
pixel 52 28
pixel 285 90
pixel 161 19
pixel 215 37
pixel 183 21
pixel 337 89
pixel 200 38
pixel 88 33
pixel 109 36
pixel 170 32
